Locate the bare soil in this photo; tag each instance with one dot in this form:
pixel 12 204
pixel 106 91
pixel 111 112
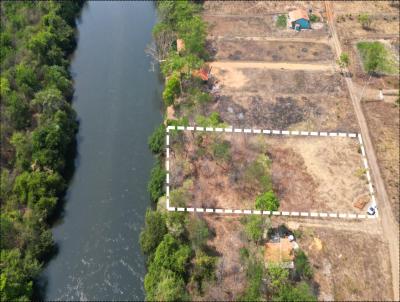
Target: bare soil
pixel 308 174
pixel 272 51
pixel 383 123
pixel 348 265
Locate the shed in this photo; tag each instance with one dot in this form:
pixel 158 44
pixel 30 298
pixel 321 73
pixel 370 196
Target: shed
pixel 299 19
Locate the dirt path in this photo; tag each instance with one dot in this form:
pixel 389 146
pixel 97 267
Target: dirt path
pixel 269 65
pixel 388 222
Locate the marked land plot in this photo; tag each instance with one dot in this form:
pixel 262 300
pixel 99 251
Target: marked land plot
pixel 224 170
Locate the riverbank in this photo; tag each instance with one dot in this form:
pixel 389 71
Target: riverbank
pixel 38 131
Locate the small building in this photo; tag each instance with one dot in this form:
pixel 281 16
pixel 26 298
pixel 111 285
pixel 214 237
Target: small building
pixel 299 19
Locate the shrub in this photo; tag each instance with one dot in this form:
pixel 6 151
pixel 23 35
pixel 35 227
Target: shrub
pixel 172 89
pixel 281 21
pixel 258 173
pixel 267 201
pixel 300 292
pixel 376 58
pixel 314 18
pixel 156 183
pixel 302 265
pixel 203 269
pixel 254 228
pixel 255 273
pixel 343 60
pixel 181 195
pixel 213 120
pixel 365 20
pixel 198 233
pixel 278 277
pixel 157 140
pixel 222 150
pixel 153 232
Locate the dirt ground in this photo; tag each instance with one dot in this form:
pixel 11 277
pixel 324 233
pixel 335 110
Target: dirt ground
pixel 273 51
pixel 383 121
pixel 251 8
pixel 307 173
pixel 348 265
pixel 283 99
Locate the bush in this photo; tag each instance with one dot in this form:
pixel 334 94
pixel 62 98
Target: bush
pixel 300 292
pixel 376 58
pixel 278 277
pixel 172 89
pixel 157 140
pixel 365 20
pixel 254 228
pixel 258 173
pixel 213 120
pixel 255 273
pixel 281 21
pixel 153 232
pixel 203 269
pixel 267 201
pixel 222 150
pixel 302 265
pixel 343 60
pixel 314 18
pixel 198 233
pixel 156 183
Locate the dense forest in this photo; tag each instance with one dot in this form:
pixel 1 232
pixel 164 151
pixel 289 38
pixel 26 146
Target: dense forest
pixel 38 127
pixel 180 263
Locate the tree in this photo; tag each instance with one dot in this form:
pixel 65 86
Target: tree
pixel 57 77
pixel 153 232
pixel 25 78
pixel 17 111
pixel 171 254
pixel 255 274
pixel 222 150
pixel 343 60
pixel 176 224
pixel 365 20
pixel 156 183
pixel 49 101
pixel 254 228
pixel 164 285
pixel 267 201
pixel 157 140
pixel 203 269
pixel 164 37
pixel 257 174
pixel 17 271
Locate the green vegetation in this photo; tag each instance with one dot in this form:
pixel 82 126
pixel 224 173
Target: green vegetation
pixel 343 60
pixel 257 173
pixel 38 128
pixel 156 183
pixel 254 228
pixel 376 58
pixel 213 120
pixel 281 21
pixel 365 20
pixel 302 265
pixel 154 231
pixel 222 150
pixel 314 18
pixel 157 140
pixel 254 273
pixel 267 201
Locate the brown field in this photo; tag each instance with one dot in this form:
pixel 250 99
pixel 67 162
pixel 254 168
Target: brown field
pixel 293 99
pixel 307 174
pixel 272 51
pixel 383 121
pixel 348 265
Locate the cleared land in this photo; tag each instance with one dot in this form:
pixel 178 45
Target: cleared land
pixel 307 174
pixel 283 99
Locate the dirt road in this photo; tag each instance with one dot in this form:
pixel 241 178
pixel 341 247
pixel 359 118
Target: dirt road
pixel 269 65
pixel 389 225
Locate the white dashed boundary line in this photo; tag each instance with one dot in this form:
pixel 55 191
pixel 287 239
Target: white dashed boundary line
pixel 258 212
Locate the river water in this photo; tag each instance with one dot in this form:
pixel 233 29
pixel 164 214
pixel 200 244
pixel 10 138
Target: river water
pixel 117 99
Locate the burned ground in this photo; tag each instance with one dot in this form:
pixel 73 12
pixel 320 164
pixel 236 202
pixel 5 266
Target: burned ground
pixel 306 100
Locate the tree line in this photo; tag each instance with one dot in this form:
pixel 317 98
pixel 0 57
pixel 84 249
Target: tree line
pixel 38 127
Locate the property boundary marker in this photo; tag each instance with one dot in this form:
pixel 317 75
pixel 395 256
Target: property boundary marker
pixel 273 213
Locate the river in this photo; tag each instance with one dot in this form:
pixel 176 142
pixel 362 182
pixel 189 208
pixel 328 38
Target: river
pixel 118 102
